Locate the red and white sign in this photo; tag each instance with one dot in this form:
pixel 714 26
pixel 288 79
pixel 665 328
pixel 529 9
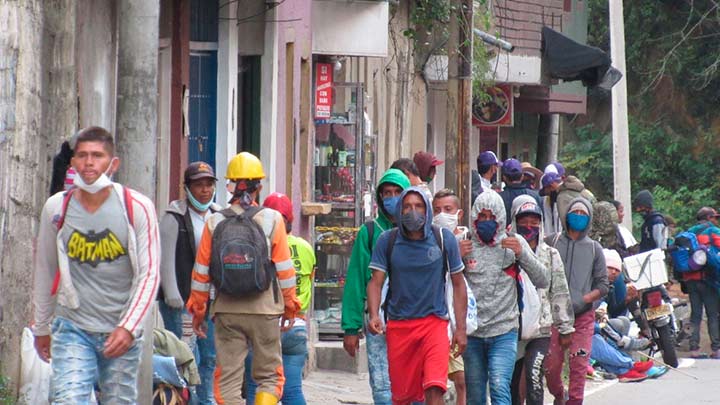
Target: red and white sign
pixel 323 90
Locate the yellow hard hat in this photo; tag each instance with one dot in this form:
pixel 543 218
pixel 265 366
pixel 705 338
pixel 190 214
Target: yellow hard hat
pixel 244 165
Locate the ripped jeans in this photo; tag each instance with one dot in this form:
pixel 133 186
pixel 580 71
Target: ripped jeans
pixel 580 350
pixel 78 362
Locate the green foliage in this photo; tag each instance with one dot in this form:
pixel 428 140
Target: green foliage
pixel 681 179
pixel 7 396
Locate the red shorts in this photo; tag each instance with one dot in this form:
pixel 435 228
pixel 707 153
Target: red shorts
pixel 418 352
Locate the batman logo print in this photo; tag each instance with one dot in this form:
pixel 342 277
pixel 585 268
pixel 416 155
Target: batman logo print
pixel 93 248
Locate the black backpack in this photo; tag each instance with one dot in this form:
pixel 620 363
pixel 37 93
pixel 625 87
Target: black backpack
pixel 240 264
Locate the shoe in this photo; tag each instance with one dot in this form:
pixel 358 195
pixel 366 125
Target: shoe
pixel 632 376
pixel 657 371
pixel 606 375
pixel 640 343
pixel 697 354
pixel 715 354
pixel 643 366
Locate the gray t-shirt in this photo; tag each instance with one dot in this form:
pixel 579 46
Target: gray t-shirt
pixel 97 248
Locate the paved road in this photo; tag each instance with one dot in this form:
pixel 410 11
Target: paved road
pixel 672 388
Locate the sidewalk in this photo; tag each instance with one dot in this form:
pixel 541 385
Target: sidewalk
pixel 337 387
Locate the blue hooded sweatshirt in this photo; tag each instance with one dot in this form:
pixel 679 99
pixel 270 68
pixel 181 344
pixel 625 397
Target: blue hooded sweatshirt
pixel 417 274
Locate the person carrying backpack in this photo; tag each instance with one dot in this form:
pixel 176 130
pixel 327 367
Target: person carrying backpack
pixel 96 277
pixel 391 184
pixel 700 286
pixel 555 309
pixel 587 279
pixel 493 275
pixel 416 256
pixel 244 253
pixel 653 233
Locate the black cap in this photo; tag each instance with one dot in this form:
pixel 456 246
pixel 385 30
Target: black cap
pixel 199 170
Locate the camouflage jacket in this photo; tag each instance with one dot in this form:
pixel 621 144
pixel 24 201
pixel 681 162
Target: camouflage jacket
pixel 556 305
pixel 604 224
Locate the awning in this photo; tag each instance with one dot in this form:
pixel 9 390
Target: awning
pixel 570 60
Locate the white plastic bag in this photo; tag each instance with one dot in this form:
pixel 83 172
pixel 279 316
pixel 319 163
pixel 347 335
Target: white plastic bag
pixel 531 308
pixel 35 373
pixel 471 315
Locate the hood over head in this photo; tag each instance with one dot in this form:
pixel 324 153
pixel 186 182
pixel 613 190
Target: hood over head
pixel 392 176
pixel 588 207
pixel 491 200
pixel 427 228
pixel 604 224
pixel 572 183
pixel 521 203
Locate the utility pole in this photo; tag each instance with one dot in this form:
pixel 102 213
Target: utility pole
pixel 459 107
pixel 621 146
pixel 136 127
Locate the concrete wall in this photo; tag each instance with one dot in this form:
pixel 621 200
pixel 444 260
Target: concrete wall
pixel 38 108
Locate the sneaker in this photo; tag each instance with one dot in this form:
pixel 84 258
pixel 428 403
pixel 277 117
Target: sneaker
pixel 657 371
pixel 606 375
pixel 640 343
pixel 715 354
pixel 643 366
pixel 632 376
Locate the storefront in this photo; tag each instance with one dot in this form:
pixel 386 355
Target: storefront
pixel 345 147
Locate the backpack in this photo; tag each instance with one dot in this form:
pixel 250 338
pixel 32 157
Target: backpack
pixel 61 221
pixel 683 252
pixel 239 263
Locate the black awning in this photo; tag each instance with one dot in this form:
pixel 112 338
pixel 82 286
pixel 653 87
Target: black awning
pixel 569 60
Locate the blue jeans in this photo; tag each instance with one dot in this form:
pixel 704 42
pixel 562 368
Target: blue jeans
pixel 294 354
pixel 203 349
pixel 78 363
pixel 378 368
pixel 609 357
pixel 490 360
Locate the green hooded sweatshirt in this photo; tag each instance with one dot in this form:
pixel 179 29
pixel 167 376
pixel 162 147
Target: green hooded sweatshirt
pixel 358 273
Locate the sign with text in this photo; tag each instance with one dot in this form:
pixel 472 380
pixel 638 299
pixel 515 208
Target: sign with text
pixel 323 90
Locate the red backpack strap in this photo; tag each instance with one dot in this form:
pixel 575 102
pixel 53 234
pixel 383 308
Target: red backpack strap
pixel 64 207
pixel 61 221
pixel 128 205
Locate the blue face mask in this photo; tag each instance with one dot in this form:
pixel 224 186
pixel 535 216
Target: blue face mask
pixel 577 222
pixel 195 203
pixel 486 230
pixel 390 204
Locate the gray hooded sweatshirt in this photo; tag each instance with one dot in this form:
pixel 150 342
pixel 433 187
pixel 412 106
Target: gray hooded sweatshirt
pixel 494 289
pixel 556 307
pixel 584 261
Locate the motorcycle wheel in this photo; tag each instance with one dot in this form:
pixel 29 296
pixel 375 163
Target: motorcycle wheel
pixel 666 341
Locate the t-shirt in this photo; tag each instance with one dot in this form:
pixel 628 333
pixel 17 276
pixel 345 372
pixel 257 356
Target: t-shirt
pixel 100 268
pixel 417 276
pixel 303 258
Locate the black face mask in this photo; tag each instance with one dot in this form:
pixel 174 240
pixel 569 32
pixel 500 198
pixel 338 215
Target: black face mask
pixel 413 221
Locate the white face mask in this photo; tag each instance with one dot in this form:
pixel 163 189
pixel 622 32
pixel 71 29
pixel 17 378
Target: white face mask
pixel 99 184
pixel 445 220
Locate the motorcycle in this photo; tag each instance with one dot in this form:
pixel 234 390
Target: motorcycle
pixel 657 314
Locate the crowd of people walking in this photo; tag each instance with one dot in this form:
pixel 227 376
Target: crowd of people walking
pixel 495 300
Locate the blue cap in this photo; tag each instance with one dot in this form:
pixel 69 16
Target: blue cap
pixel 488 158
pixel 512 166
pixel 549 178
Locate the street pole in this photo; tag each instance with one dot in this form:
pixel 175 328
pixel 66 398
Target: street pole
pixel 459 106
pixel 621 146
